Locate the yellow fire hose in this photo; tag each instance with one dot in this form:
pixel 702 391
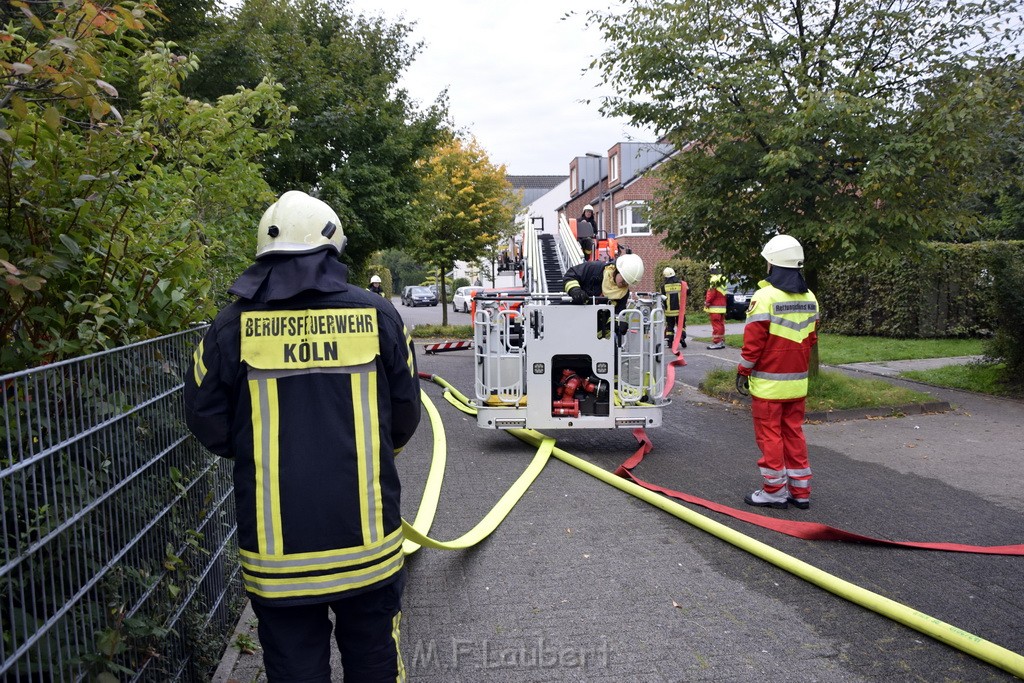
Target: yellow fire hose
pixel 416 535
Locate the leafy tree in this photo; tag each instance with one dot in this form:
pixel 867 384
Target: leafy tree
pixel 1001 205
pixel 467 206
pixel 106 220
pixel 404 269
pixel 356 135
pixel 854 125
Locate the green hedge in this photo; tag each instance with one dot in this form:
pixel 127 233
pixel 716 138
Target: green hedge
pixel 1008 301
pixel 947 290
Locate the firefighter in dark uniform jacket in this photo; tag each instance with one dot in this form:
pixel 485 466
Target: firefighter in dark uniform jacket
pixel 588 279
pixel 309 384
pixel 675 293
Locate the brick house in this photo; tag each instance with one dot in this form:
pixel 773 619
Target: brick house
pixel 620 188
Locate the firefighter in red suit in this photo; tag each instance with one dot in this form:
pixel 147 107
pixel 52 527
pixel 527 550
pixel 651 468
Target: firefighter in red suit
pixel 715 307
pixel 777 340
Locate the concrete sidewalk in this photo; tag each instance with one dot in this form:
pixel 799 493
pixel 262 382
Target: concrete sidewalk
pixel 584 583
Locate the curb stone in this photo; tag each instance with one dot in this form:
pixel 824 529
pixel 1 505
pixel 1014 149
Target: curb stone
pixel 224 671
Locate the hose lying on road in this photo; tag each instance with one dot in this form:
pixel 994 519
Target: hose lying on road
pixel 416 534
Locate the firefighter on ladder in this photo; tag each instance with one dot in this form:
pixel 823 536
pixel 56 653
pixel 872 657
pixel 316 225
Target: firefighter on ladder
pixel 309 385
pixel 777 340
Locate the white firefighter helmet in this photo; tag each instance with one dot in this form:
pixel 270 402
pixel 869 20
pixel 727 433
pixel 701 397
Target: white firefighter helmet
pixel 630 267
pixel 588 207
pixel 375 280
pixel 715 268
pixel 668 272
pixel 784 251
pixel 297 223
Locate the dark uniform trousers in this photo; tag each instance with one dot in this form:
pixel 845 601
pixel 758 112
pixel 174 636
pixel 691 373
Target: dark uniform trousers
pixel 296 639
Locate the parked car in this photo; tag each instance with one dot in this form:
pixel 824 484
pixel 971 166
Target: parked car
pixel 463 298
pixel 418 295
pixel 736 301
pixel 516 293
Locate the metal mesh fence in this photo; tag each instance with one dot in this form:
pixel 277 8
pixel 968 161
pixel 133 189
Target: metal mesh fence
pixel 119 557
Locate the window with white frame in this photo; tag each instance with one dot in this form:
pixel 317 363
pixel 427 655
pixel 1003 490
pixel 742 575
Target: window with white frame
pixel 613 168
pixel 632 218
pixel 572 179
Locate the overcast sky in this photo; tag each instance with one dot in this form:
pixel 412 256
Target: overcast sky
pixel 513 73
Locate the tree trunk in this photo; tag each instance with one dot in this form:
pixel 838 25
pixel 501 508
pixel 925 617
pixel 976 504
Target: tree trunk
pixel 811 277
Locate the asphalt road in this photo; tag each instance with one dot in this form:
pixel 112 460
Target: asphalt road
pixel 584 583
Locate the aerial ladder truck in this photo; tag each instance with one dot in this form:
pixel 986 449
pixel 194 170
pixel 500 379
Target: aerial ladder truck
pixel 543 363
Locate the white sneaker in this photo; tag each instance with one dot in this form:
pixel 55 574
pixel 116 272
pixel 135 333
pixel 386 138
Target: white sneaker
pixel 719 345
pixel 767 500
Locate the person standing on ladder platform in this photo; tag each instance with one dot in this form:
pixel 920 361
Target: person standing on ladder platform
pixel 715 306
pixel 777 341
pixel 672 288
pixel 586 231
pixel 375 286
pixel 309 385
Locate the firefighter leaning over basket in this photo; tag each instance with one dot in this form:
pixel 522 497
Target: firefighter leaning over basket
pixel 309 384
pixel 777 340
pixel 590 279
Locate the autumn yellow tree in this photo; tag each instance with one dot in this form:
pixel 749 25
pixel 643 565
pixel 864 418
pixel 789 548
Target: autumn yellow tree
pixel 467 206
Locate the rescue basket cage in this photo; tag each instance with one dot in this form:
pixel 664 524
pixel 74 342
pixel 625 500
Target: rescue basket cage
pixel 542 363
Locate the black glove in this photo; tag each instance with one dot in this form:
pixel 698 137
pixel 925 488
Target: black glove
pixel 743 384
pixel 622 328
pixel 577 295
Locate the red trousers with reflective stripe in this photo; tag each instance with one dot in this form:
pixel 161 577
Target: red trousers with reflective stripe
pixel 778 430
pixel 717 327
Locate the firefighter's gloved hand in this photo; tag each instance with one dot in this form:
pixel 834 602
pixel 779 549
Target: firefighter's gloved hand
pixel 577 295
pixel 743 384
pixel 622 328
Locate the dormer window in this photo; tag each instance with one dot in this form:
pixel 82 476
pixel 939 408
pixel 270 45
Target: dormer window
pixel 613 168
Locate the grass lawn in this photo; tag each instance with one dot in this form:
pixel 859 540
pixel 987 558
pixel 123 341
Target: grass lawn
pixel 837 349
pixel 830 391
pixel 982 377
pixel 442 332
pixel 835 391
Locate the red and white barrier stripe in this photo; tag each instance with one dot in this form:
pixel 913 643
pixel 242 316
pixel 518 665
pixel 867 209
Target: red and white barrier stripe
pixel 448 346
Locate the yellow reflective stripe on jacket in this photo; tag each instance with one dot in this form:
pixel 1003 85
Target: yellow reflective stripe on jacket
pixel 319 561
pixel 786 321
pixel 263 396
pixel 323 584
pixel 409 360
pixel 571 285
pixel 198 366
pixel 367 431
pixel 714 309
pixel 778 386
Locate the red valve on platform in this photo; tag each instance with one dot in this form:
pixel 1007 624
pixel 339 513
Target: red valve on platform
pixel 566 405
